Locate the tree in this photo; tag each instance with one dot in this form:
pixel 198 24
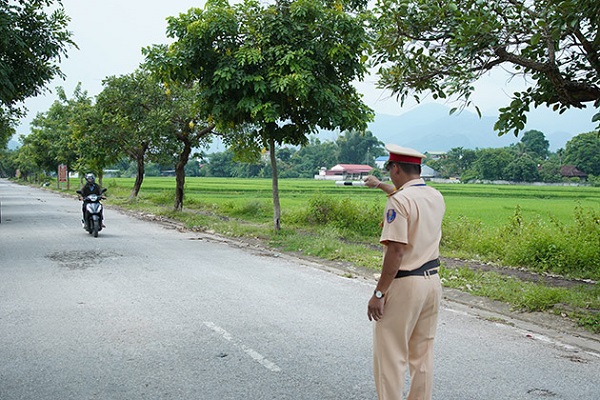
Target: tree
pixel 536 144
pixel 315 155
pixel 455 162
pixel 53 140
pixel 583 151
pixel 161 120
pixel 24 161
pixel 491 163
pixel 550 169
pixel 522 169
pixel 443 47
pixel 94 152
pixel 220 164
pixel 32 41
pixel 133 121
pixel 357 148
pixel 7 163
pixel 186 126
pixel 270 74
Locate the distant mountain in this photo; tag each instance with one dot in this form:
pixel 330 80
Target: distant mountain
pixel 430 127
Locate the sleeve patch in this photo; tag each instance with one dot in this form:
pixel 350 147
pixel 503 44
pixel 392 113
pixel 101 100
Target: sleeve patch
pixel 390 215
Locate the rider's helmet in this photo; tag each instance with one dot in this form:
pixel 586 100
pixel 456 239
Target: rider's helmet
pixel 90 178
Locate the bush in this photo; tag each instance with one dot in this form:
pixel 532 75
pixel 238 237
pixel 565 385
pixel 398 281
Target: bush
pixel 163 198
pixel 355 218
pixel 568 250
pixel 458 234
pixel 251 209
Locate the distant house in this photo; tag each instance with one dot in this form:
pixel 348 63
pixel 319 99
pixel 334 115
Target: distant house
pixel 380 161
pixel 345 172
pixel 427 172
pixel 435 155
pixel 571 171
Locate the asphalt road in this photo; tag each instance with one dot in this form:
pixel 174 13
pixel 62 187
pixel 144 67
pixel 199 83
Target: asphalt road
pixel 145 311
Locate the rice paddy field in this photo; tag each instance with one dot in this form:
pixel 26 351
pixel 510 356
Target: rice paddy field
pixel 492 205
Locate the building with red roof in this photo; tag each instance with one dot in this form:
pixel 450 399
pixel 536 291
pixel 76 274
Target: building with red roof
pixel 345 172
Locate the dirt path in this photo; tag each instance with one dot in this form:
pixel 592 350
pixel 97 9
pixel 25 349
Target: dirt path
pixel 521 273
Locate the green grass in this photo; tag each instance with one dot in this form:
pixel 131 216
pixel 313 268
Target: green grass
pixel 494 204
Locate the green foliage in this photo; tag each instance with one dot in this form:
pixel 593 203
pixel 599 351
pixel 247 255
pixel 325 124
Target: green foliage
pixel 357 148
pixel 583 151
pixel 141 118
pixel 285 68
pixel 442 48
pixel 247 209
pixel 571 250
pixel 327 242
pixel 8 166
pixel 587 320
pixel 527 161
pixel 354 218
pixel 524 296
pixel 58 135
pixel 305 162
pixel 536 144
pixel 578 302
pixel 549 170
pixel 522 169
pixel 133 122
pixel 311 157
pixel 162 198
pixel 33 39
pixel 491 163
pixel 456 162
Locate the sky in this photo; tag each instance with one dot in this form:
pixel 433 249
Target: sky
pixel 111 33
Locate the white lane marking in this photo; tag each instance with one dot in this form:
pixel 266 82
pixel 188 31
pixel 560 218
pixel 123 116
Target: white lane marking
pixel 259 358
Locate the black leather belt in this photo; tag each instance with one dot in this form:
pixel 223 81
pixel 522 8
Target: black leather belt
pixel 423 270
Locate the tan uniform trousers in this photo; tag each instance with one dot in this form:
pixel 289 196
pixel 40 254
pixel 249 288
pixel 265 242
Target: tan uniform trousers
pixel 404 337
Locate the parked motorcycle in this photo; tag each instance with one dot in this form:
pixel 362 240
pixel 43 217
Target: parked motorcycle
pixel 92 221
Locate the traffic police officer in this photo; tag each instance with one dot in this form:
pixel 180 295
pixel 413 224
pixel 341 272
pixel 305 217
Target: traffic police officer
pixel 405 303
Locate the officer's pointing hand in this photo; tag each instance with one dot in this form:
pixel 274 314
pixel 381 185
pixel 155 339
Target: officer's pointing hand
pixel 371 181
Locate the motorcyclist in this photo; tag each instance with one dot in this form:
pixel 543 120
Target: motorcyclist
pixel 90 187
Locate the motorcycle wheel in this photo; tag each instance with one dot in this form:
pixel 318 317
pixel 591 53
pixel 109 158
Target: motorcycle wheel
pixel 96 228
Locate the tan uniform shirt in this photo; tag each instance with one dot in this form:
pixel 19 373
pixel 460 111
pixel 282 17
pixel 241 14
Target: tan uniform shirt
pixel 413 215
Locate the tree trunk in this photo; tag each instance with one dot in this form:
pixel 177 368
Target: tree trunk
pixel 139 177
pixel 276 205
pixel 184 157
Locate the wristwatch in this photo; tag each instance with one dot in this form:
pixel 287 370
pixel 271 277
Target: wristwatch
pixel 379 294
